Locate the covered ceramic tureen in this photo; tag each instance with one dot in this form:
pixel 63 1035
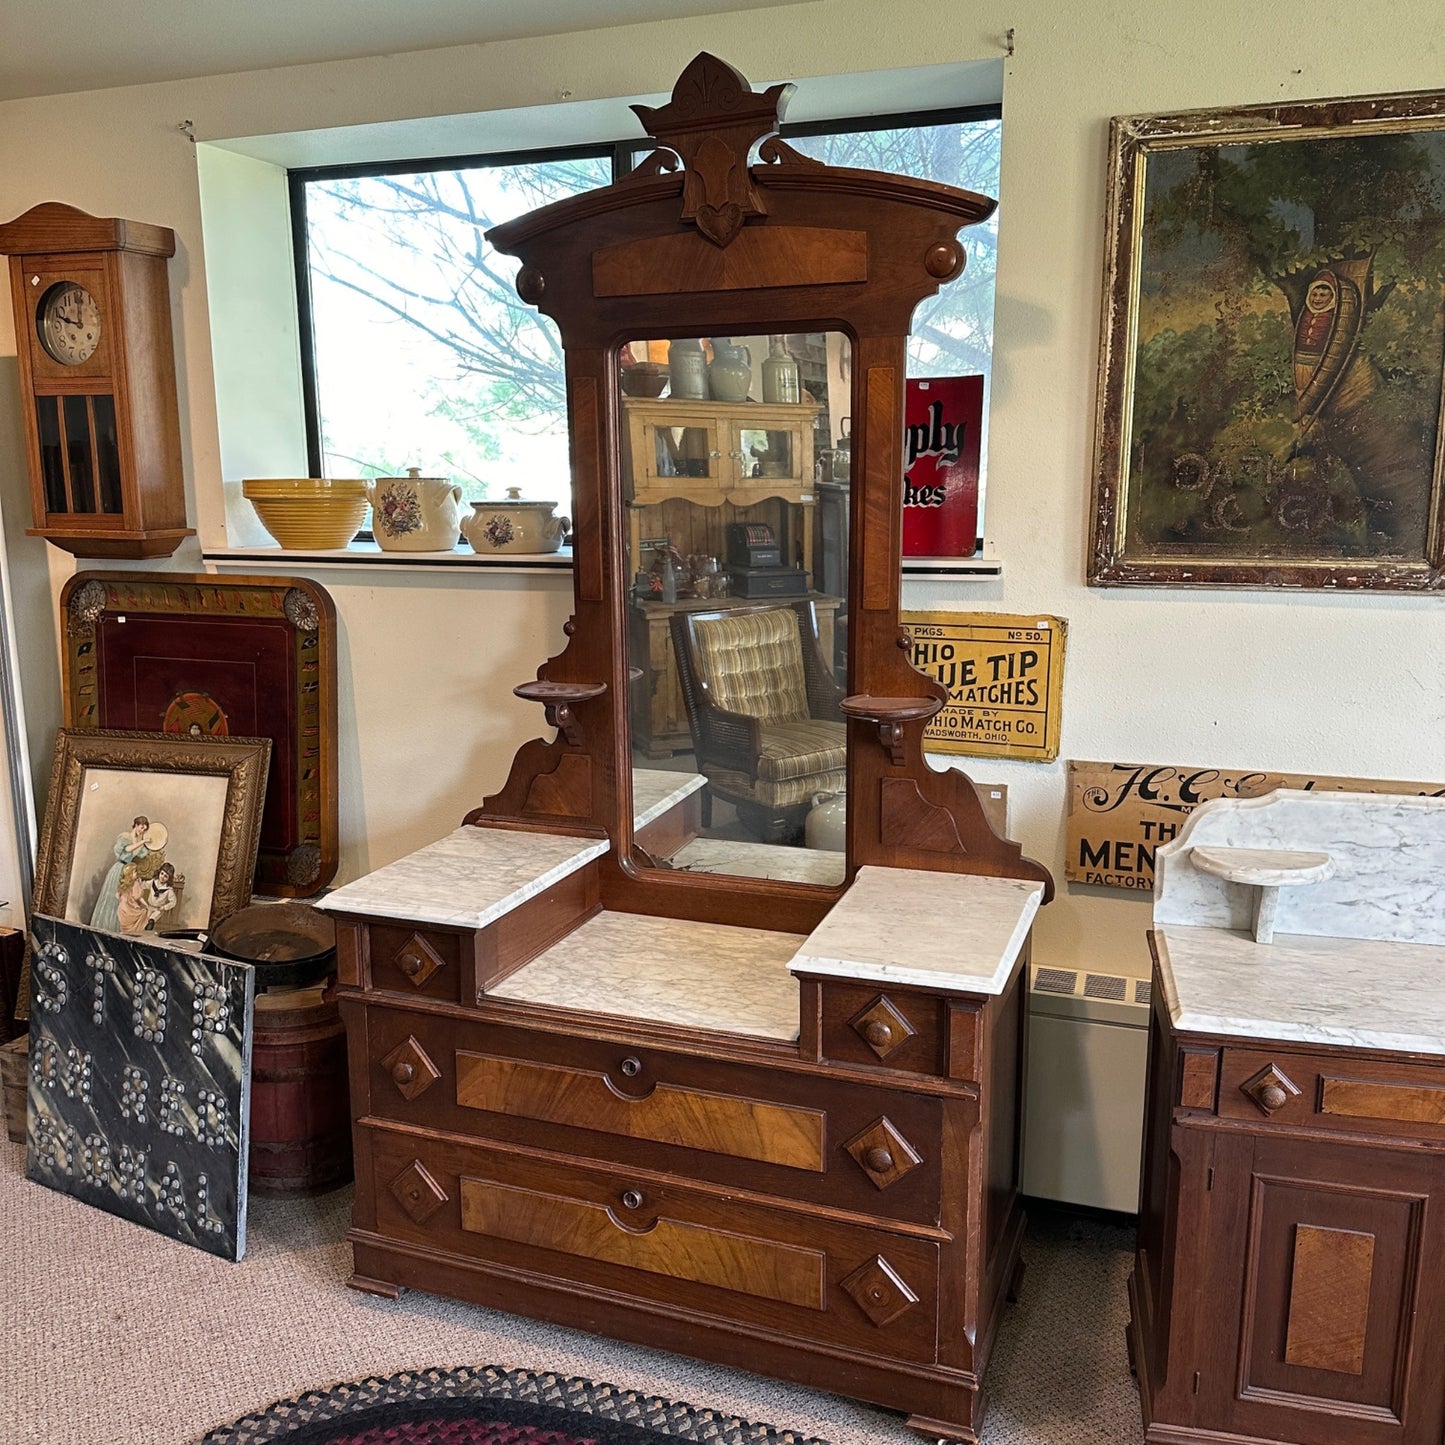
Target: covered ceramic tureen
pixel 515 525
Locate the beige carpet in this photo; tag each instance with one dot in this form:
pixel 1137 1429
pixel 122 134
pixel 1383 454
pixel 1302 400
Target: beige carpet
pixel 114 1336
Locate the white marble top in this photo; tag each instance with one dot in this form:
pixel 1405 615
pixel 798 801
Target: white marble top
pixel 939 930
pixel 761 860
pixel 1356 992
pixel 1388 851
pixel 468 879
pixel 655 791
pixel 668 970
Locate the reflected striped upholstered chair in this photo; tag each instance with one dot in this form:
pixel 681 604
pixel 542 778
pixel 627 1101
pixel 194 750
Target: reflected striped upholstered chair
pixel 763 710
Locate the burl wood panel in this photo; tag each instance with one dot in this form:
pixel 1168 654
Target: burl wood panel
pixel 718 1123
pixel 1329 1299
pixel 758 258
pixel 1198 1078
pixel 1364 1099
pixel 760 1267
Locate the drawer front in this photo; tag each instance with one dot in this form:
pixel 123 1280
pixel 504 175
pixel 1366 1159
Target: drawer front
pixel 416 962
pixel 1338 1093
pixel 881 1027
pixel 802 1136
pixel 660 1240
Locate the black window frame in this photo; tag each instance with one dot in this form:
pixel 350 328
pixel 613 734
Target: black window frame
pixel 624 156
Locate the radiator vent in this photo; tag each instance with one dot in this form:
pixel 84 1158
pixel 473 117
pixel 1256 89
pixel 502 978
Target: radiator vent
pixel 1055 980
pixel 1078 993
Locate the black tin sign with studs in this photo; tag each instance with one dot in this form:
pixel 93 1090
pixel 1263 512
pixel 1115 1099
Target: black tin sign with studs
pixel 140 1081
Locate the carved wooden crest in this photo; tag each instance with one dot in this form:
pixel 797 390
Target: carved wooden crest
pixel 711 123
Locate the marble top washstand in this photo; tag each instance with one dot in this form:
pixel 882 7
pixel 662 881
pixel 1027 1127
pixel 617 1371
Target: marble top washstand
pixel 1358 954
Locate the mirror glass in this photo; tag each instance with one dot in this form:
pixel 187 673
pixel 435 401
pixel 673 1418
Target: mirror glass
pixel 735 474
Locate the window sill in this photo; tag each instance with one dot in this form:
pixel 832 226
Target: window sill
pixel 368 556
pixel 953 569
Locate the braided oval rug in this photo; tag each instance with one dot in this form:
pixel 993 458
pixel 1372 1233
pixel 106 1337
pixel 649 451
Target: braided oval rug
pixel 487 1405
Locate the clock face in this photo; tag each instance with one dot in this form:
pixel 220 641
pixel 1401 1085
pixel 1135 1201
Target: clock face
pixel 68 321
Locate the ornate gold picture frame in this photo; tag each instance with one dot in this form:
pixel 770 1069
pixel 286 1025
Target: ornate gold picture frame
pixel 1273 348
pixel 143 815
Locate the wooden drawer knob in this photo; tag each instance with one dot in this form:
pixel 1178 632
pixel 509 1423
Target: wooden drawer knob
pixel 878 1160
pixel 879 1034
pixel 631 1067
pixel 1273 1097
pixel 632 1199
pixel 403 1073
pixel 411 964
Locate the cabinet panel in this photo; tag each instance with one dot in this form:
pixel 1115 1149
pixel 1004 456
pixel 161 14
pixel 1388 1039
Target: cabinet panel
pixel 1338 1303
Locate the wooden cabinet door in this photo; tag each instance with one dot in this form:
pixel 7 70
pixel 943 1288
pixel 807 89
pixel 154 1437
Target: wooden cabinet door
pixel 1341 1334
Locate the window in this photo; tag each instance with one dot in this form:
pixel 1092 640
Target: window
pixel 421 354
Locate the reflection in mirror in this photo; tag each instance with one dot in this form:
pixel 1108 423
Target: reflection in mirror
pixel 735 484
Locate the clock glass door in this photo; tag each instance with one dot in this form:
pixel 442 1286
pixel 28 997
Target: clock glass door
pixel 79 454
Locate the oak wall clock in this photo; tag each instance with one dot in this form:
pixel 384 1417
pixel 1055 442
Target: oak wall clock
pixel 98 381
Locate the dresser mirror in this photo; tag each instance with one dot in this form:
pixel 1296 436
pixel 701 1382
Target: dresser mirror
pixel 737 612
pixel 734 317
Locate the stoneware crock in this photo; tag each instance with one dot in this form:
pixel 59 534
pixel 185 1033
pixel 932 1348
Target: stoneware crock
pixel 515 526
pixel 415 513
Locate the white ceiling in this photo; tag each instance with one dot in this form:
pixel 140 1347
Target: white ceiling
pixel 49 47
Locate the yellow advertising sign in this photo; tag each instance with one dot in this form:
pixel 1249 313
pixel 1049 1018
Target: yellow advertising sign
pixel 1005 678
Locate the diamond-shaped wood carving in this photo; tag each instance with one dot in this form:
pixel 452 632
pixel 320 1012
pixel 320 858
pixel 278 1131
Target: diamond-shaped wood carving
pixel 412 1072
pixel 876 1288
pixel 417 1192
pixel 1270 1089
pixel 882 1153
pixel 883 1027
pixel 418 960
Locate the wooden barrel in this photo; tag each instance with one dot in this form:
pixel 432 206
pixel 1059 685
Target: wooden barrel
pixel 13 1078
pixel 300 1104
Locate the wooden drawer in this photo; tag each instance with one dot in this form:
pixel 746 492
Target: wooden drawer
pixel 419 962
pixel 1339 1092
pixel 878 1027
pixel 870 1150
pixel 657 1239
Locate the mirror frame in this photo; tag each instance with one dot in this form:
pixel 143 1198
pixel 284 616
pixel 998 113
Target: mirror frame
pixel 695 242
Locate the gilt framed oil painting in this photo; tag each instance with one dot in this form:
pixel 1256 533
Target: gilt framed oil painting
pixel 1273 348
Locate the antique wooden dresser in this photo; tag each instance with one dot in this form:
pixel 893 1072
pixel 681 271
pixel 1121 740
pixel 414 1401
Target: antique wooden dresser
pixel 1290 1279
pixel 766 1120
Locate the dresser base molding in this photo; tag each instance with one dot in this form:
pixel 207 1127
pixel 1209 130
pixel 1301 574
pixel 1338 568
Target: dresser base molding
pixel 946 1404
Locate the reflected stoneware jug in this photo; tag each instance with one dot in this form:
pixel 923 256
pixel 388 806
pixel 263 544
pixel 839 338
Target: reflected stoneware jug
pixel 415 513
pixel 730 373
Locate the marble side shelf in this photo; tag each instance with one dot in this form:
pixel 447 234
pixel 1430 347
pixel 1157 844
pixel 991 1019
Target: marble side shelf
pixel 938 930
pixel 1266 870
pixel 1387 850
pixel 1359 993
pixel 668 970
pixel 655 791
pixel 468 879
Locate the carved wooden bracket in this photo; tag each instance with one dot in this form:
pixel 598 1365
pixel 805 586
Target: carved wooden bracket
pixel 712 122
pixel 558 698
pixel 890 713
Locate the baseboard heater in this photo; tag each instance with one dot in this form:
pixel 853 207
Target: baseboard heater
pixel 1084 1119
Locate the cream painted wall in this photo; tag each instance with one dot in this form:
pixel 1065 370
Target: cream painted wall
pixel 1343 684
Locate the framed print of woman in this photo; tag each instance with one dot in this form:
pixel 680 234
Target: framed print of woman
pixel 142 839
